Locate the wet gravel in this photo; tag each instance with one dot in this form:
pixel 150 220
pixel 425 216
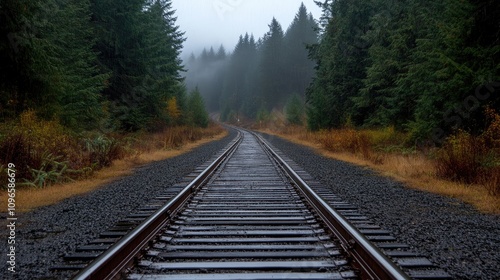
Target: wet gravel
pixel 452 234
pixel 45 235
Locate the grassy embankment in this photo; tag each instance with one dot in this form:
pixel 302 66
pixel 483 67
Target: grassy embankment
pixel 466 167
pixel 53 164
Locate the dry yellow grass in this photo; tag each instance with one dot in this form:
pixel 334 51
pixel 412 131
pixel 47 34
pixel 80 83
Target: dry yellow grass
pixel 29 199
pixel 415 171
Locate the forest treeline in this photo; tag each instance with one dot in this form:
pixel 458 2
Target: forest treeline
pixel 426 67
pixel 260 74
pixel 423 67
pixel 86 82
pixel 94 64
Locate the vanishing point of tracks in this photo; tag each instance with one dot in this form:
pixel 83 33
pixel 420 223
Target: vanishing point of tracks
pixel 249 215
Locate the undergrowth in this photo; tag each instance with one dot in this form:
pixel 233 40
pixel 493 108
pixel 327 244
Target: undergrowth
pixel 46 153
pixel 473 159
pixel 463 158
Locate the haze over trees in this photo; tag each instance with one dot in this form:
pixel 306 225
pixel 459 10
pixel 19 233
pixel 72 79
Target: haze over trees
pixel 422 67
pixel 260 74
pixel 92 64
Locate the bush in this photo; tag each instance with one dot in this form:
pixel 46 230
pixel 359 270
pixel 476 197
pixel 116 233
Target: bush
pixel 461 157
pixel 295 110
pixel 18 150
pixel 491 181
pixel 473 159
pixel 45 153
pixel 36 148
pixel 102 151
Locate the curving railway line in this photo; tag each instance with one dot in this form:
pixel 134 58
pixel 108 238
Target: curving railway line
pixel 249 214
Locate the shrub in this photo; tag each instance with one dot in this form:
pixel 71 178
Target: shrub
pixel 473 159
pixel 294 110
pixel 102 150
pixel 460 159
pixel 17 149
pixel 46 153
pixel 491 181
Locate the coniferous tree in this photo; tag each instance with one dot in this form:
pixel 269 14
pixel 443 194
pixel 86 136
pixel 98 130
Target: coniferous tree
pixel 294 110
pixel 50 49
pixel 163 42
pixel 271 81
pixel 415 65
pixel 341 61
pixel 82 82
pixel 236 89
pixel 299 68
pixel 18 80
pixel 260 75
pixel 197 114
pixel 140 44
pixel 392 38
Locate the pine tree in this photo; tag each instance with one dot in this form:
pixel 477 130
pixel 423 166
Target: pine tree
pixel 237 93
pixel 299 69
pixel 394 29
pixel 341 62
pixel 52 57
pixel 294 110
pixel 18 80
pixel 197 115
pixel 271 80
pixel 81 81
pixel 140 44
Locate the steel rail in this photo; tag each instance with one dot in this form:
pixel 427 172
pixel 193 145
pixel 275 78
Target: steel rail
pixel 119 256
pixel 368 258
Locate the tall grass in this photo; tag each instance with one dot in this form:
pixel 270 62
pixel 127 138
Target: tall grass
pixel 46 153
pixel 463 158
pixel 473 159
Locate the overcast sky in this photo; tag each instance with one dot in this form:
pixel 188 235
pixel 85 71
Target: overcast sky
pixel 215 22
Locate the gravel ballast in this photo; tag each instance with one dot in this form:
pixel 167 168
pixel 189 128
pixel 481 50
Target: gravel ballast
pixel 451 233
pixel 45 235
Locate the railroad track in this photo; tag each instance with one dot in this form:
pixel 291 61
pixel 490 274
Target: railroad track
pixel 249 215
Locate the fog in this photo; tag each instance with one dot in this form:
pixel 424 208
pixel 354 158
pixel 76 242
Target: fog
pixel 248 58
pixel 214 22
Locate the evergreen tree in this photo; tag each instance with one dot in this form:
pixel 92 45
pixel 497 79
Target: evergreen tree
pixel 271 80
pixel 236 89
pixel 197 115
pixel 50 52
pixel 299 68
pixel 18 80
pixel 140 44
pixel 394 29
pixel 439 72
pixel 294 110
pixel 341 61
pixel 81 81
pixel 162 46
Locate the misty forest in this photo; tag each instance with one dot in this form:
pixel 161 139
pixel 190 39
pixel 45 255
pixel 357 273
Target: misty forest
pixel 104 64
pixel 420 66
pixel 94 76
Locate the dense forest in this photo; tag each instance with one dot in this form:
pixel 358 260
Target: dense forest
pixel 426 67
pixel 423 67
pixel 84 83
pixel 92 64
pixel 260 74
